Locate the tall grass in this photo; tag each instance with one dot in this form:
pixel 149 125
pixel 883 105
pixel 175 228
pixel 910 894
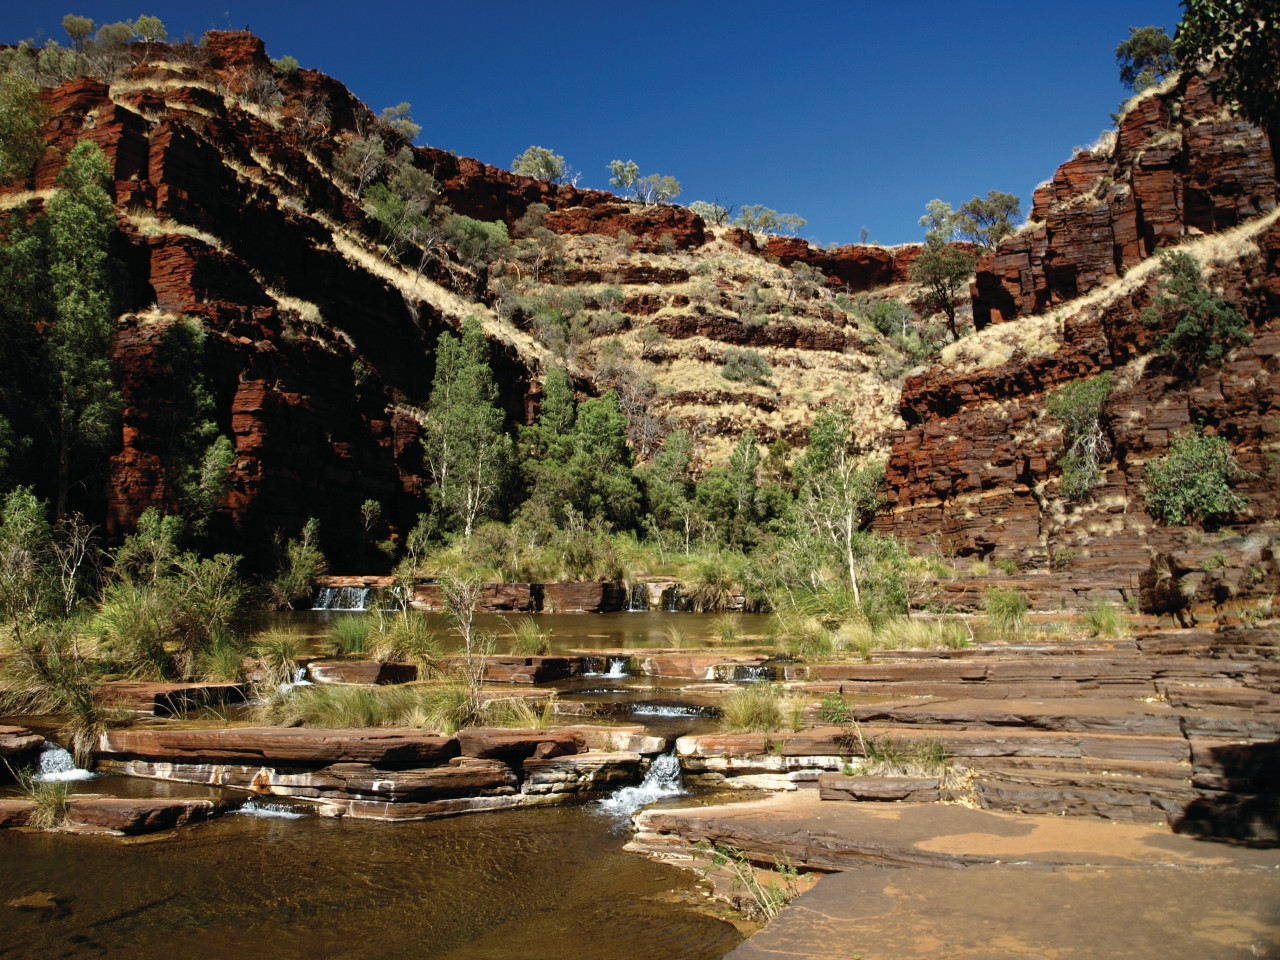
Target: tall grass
pixel 528 639
pixel 1006 610
pixel 50 799
pixel 277 652
pixel 1102 619
pixel 712 586
pixel 440 707
pixel 727 627
pixel 759 708
pixel 347 634
pixel 408 639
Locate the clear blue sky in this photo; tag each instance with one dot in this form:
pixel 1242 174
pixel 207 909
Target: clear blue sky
pixel 850 114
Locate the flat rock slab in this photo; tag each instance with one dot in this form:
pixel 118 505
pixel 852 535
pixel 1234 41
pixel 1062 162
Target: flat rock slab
pixel 366 672
pixel 134 815
pixel 17 744
pixel 841 836
pixel 836 786
pixel 1007 913
pixel 165 699
pixel 283 746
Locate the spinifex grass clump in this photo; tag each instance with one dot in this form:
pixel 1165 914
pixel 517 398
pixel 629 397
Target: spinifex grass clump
pixel 347 634
pixel 528 639
pixel 1104 620
pixel 767 891
pixel 1006 610
pixel 277 652
pixel 50 798
pixel 727 627
pixel 759 708
pixel 443 707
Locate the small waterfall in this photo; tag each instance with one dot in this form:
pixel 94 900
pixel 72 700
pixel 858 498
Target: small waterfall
pixel 341 598
pixel 299 680
pixel 662 780
pixel 639 598
pixel 274 811
pixel 747 673
pixel 671 710
pixel 57 764
pixel 673 601
pixel 617 669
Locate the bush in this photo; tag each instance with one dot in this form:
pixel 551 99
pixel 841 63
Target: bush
pixel 1078 406
pixel 890 317
pixel 1006 610
pixel 1204 328
pixel 347 634
pixel 1193 482
pixel 528 639
pixel 745 366
pixel 753 709
pixel 1104 620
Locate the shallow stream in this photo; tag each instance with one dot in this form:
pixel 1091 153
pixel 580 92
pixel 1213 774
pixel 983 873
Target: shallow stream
pixel 546 883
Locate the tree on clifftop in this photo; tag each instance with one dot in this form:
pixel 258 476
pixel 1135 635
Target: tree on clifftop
pixel 541 164
pixel 943 270
pixel 1145 58
pixel 1242 39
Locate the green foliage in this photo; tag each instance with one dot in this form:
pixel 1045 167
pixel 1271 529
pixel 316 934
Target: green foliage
pixel 198 458
pixel 941 269
pixel 467 455
pixel 987 222
pixel 1006 610
pixel 656 188
pixel 287 66
pixel 745 366
pixel 1078 406
pixel 150 29
pixel 1241 39
pixel 398 118
pixel 765 897
pixel 541 163
pixel 1193 481
pixel 711 213
pixel 277 652
pixel 81 219
pixel 299 564
pixel 758 218
pixel 78 30
pixel 21 114
pixel 1204 328
pixel 1102 619
pixel 1146 58
pixel 476 241
pixel 757 708
pixel 834 709
pixel 528 639
pixel 623 176
pixel 890 317
pixel 44 673
pixel 347 634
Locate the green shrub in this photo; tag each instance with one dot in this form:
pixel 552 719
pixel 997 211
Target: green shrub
pixel 1193 482
pixel 347 634
pixel 528 639
pixel 1204 328
pixel 299 564
pixel 835 710
pixel 745 366
pixel 1078 406
pixel 1006 610
pixel 754 709
pixel 1102 619
pixel 278 651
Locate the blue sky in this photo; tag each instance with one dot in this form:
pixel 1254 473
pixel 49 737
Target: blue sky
pixel 850 114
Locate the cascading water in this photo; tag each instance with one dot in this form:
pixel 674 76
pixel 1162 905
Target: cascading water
pixel 663 780
pixel 672 710
pixel 274 811
pixel 617 669
pixel 56 764
pixel 299 680
pixel 341 598
pixel 639 598
pixel 673 600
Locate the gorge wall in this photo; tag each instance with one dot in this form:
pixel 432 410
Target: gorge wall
pixel 975 471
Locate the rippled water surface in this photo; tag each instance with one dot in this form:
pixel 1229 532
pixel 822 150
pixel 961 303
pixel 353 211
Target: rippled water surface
pixel 545 883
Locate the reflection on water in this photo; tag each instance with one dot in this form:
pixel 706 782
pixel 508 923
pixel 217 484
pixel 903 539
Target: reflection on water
pixel 548 883
pixel 571 631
